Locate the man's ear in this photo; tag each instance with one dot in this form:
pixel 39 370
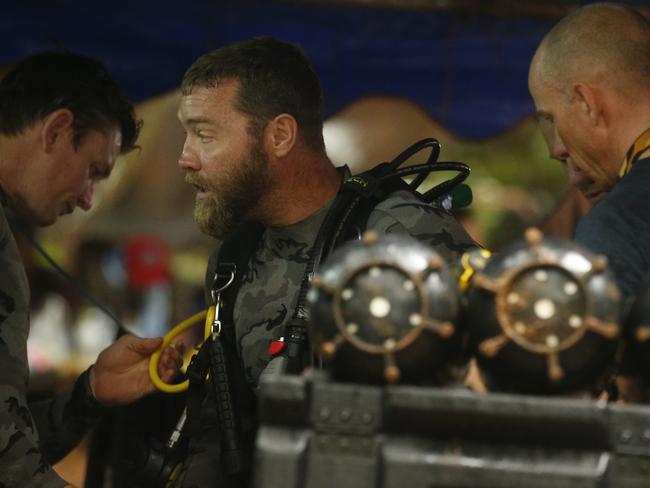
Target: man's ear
pixel 56 126
pixel 281 135
pixel 590 102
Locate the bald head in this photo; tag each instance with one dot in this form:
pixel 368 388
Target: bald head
pixel 603 43
pixel 590 80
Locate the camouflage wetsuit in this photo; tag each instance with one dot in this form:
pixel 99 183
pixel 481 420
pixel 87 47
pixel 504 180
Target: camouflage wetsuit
pixel 31 436
pixel 268 296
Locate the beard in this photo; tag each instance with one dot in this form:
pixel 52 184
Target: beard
pixel 232 199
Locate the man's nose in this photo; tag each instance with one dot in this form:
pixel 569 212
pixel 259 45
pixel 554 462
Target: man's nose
pixel 558 149
pixel 188 159
pixel 85 200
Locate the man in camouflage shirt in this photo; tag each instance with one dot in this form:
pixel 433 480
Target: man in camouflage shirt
pixel 254 151
pixel 63 122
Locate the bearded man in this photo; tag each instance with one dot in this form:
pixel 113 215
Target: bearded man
pixel 254 151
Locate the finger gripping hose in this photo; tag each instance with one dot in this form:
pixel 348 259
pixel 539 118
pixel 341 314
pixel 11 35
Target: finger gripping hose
pixel 208 317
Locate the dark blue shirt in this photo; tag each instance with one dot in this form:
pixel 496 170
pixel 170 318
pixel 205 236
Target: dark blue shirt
pixel 619 227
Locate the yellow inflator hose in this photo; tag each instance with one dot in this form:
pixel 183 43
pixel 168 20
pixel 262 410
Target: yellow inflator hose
pixel 208 315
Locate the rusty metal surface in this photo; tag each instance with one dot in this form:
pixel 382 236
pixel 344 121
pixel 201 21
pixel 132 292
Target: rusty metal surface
pixel 387 305
pixel 544 312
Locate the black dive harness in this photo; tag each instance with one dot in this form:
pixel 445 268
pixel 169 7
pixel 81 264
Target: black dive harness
pixel 218 359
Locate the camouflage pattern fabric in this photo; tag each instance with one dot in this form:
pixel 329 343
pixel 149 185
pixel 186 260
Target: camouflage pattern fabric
pixel 24 459
pixel 268 295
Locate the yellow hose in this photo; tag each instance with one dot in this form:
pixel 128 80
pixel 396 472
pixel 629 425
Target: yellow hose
pixel 469 269
pixel 208 315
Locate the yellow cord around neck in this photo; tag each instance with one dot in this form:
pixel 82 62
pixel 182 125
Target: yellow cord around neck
pixel 641 144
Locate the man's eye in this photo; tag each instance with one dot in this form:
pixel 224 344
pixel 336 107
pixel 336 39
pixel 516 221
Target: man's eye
pixel 98 172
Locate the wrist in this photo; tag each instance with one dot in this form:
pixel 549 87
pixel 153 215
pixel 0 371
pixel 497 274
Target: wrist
pixel 87 394
pixel 83 406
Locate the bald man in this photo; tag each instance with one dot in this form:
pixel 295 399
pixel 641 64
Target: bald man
pixel 590 80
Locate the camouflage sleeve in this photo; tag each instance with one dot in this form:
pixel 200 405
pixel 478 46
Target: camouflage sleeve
pixel 34 437
pixel 403 213
pixel 60 423
pixel 21 461
pixel 64 420
pixel 31 437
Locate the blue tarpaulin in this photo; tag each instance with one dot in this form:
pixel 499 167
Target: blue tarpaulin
pixel 469 72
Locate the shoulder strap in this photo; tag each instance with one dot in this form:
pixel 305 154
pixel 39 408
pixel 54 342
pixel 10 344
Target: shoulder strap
pixel 235 401
pixel 235 250
pixel 233 255
pixel 356 199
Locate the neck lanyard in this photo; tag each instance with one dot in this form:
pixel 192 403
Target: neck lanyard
pixel 640 145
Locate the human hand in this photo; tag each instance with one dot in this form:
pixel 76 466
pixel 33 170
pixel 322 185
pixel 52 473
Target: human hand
pixel 121 373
